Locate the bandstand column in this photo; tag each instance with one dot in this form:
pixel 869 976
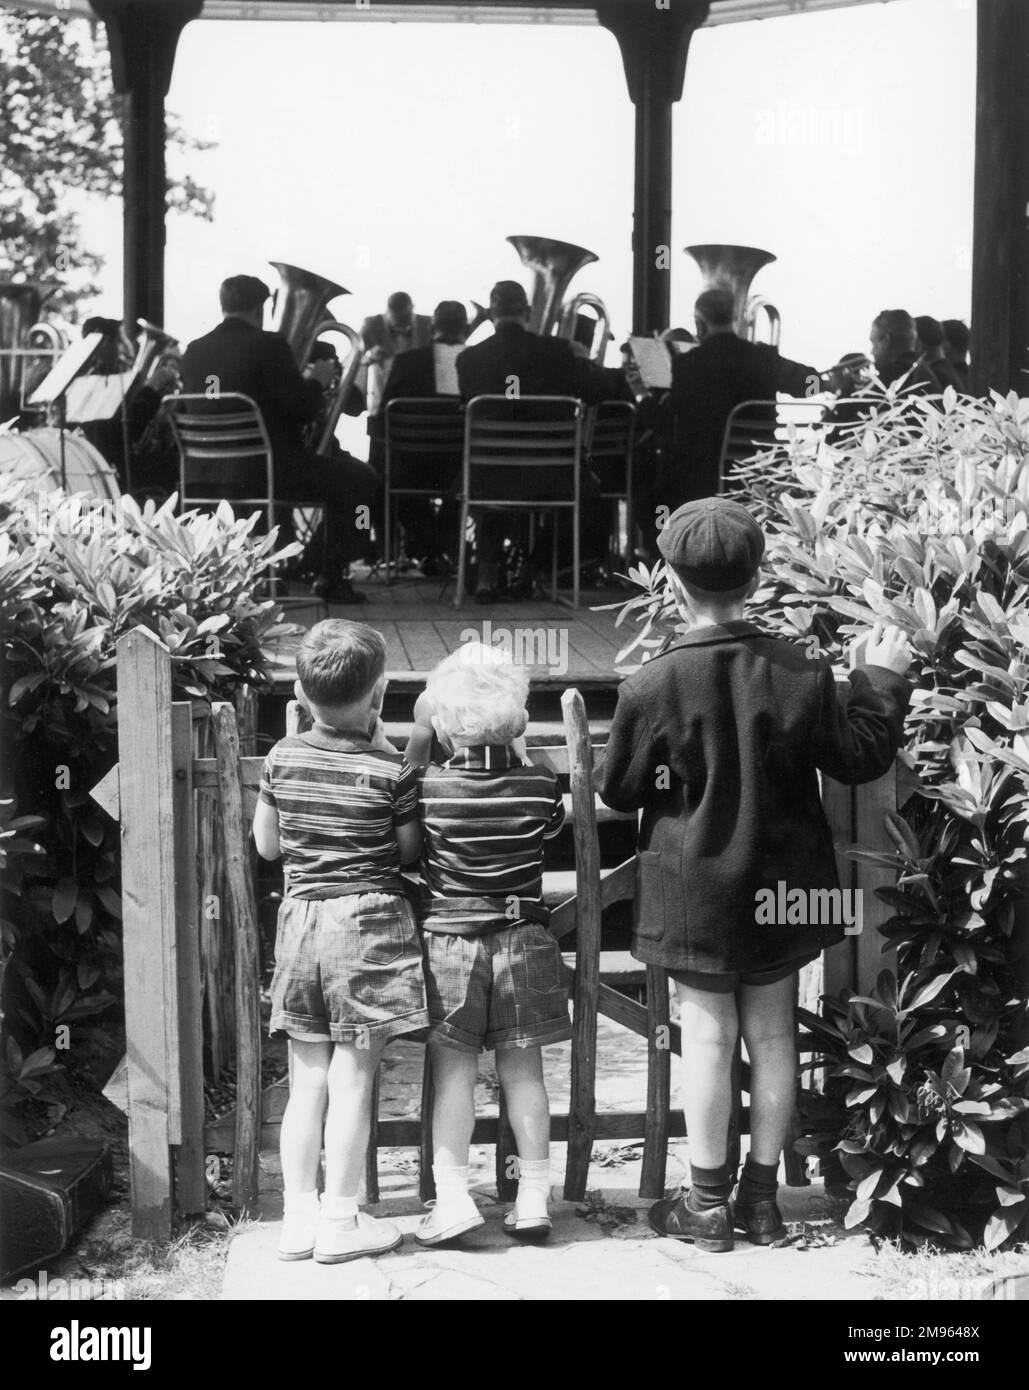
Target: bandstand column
pixel 142 38
pixel 654 38
pixel 1000 238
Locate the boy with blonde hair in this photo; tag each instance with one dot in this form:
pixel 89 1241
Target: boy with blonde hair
pixel 494 972
pixel 339 804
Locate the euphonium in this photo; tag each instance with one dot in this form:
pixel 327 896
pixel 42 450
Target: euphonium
pixel 554 264
pixel 301 315
pixel 733 268
pixel 20 303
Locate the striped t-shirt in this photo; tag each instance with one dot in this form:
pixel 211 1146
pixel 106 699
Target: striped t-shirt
pixel 485 814
pixel 338 801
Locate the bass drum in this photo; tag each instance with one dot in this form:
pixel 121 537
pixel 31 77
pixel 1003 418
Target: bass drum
pixel 35 457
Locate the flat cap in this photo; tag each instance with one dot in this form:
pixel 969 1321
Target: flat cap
pixel 714 544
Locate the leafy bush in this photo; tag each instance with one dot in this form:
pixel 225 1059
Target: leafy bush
pixel 919 518
pixel 72 581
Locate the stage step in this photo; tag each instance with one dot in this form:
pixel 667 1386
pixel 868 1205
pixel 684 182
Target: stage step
pixel 617 968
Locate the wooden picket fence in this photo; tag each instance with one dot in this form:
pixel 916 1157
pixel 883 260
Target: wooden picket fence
pixel 184 791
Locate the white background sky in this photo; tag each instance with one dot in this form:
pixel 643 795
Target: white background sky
pixel 400 156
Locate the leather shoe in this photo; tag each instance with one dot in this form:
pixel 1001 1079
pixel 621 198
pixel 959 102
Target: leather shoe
pixel 707 1230
pixel 761 1222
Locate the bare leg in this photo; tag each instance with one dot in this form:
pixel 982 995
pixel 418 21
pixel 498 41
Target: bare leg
pixel 766 1022
pixel 521 1075
pixel 350 1082
pixel 709 1029
pixel 453 1114
pixel 300 1138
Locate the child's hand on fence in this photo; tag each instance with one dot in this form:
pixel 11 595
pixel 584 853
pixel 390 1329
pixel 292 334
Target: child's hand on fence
pixel 886 645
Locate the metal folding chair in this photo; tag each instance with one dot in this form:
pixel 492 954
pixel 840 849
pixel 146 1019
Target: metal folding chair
pixel 532 436
pixel 610 439
pixel 225 455
pixel 419 431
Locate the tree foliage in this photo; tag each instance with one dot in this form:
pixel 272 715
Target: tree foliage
pixel 61 136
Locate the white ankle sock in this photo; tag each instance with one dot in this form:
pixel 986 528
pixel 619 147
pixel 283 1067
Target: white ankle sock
pixel 450 1181
pixel 339 1208
pixel 534 1175
pixel 300 1203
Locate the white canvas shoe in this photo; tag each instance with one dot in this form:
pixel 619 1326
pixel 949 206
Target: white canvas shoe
pixel 335 1244
pixel 529 1218
pixel 299 1224
pixel 449 1218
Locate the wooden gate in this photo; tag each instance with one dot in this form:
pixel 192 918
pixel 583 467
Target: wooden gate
pixel 154 792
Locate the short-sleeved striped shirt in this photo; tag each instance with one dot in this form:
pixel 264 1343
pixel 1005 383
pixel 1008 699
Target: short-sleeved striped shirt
pixel 339 801
pixel 485 814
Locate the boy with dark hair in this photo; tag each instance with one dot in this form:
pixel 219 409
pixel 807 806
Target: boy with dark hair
pixel 720 740
pixel 339 805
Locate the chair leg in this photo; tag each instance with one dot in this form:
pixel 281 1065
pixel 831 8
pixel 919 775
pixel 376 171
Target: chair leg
pixel 387 539
pixel 462 550
pixel 576 556
pixel 659 1086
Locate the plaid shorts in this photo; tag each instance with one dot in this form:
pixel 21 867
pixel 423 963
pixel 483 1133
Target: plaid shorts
pixel 348 969
pixel 503 989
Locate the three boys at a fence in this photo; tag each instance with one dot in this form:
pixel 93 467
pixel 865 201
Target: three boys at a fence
pixel 718 741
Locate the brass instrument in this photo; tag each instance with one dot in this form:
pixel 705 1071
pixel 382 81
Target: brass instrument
pixel 300 314
pixel 554 264
pixel 20 303
pixel 733 268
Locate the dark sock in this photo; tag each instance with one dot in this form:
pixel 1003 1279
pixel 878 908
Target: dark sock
pixel 710 1187
pixel 759 1183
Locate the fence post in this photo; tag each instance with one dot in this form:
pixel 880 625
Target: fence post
pixel 146 783
pixel 242 922
pixel 872 802
pixel 659 1084
pixel 840 961
pixel 582 1105
pixel 190 1182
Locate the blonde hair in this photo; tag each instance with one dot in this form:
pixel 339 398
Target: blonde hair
pixel 479 695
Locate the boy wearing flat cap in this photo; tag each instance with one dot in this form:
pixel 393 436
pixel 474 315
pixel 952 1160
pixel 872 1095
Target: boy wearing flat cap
pixel 720 740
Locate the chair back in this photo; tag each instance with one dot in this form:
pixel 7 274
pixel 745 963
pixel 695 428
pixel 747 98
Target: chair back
pixel 609 439
pixel 224 450
pixel 417 429
pixel 523 449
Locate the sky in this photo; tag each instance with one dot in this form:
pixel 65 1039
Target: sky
pixel 400 157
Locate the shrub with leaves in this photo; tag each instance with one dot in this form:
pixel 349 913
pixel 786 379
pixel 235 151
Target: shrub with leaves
pixel 920 518
pixel 73 579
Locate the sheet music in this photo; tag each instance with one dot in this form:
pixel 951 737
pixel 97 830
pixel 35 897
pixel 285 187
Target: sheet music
pixel 653 361
pixel 444 356
pixel 66 369
pixel 91 398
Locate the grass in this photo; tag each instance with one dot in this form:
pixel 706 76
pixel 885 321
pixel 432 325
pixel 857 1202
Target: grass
pixel 940 1274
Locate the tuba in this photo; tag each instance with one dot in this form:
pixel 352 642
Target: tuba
pixel 733 268
pixel 554 264
pixel 300 314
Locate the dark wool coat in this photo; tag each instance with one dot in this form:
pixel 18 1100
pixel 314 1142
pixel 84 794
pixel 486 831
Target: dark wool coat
pixel 720 741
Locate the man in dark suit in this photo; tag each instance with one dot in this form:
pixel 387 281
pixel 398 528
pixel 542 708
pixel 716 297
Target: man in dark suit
pixel 425 372
pixel 707 382
pixel 239 356
pixel 515 362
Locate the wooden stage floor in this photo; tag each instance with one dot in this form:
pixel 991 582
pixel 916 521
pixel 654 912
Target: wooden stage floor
pixel 421 627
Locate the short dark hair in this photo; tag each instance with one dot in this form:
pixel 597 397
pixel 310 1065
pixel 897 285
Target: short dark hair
pixel 929 330
pixel 507 299
pixel 716 307
pixel 897 324
pixel 400 299
pixel 339 661
pixel 450 316
pixel 240 294
pixel 957 335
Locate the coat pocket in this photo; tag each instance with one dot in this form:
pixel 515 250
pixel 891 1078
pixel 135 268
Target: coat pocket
pixel 659 899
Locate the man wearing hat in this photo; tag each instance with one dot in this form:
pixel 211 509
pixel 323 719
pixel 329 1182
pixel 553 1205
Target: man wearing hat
pixel 536 366
pixel 238 356
pixel 720 740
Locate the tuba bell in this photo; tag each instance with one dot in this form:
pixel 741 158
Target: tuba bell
pixel 300 313
pixel 554 264
pixel 20 303
pixel 733 268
